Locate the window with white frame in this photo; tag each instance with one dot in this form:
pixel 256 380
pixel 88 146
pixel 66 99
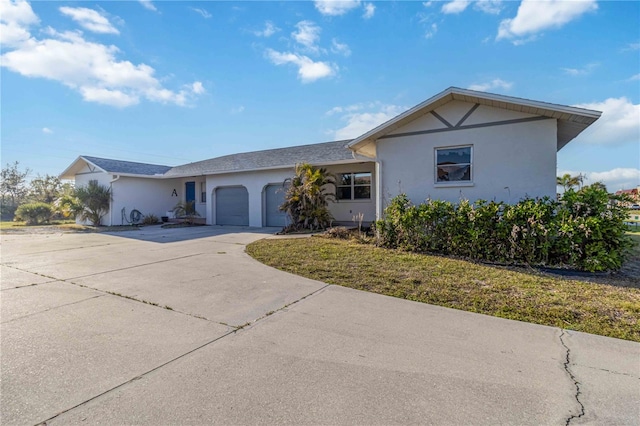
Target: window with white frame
pixel 354 186
pixel 203 192
pixel 454 164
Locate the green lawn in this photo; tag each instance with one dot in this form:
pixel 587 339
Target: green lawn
pixel 63 225
pixel 6 224
pixel 516 294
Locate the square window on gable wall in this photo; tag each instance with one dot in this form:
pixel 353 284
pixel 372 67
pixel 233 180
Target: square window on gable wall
pixel 353 186
pixel 454 164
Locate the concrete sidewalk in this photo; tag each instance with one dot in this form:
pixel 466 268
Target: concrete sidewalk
pixel 166 327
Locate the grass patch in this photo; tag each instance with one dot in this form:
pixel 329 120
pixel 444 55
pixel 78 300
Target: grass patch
pixel 9 224
pixel 532 297
pixel 633 229
pixel 62 225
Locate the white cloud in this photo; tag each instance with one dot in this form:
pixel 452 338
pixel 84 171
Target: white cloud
pixel 631 47
pixel 455 6
pixel 360 118
pixel 15 20
pixel 197 88
pixel 580 71
pixel 336 7
pixel 269 30
pixel 634 77
pixel 308 70
pixel 92 69
pixel 534 16
pixel 614 180
pixel 47 131
pixel 619 123
pixel 90 19
pixel 307 34
pixel 433 29
pixel 237 110
pixel 148 4
pixel 491 85
pixel 369 11
pixel 340 48
pixel 111 97
pixel 202 12
pixel 493 7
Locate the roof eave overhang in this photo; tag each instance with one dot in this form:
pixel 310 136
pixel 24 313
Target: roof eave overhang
pixel 71 171
pixel 265 169
pixel 572 120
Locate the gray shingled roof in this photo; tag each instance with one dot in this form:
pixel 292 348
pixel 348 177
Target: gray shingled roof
pixel 320 153
pixel 129 167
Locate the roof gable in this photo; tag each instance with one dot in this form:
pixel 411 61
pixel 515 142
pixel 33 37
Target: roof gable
pixel 571 120
pixel 105 165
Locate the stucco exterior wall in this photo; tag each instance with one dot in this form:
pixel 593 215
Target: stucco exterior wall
pixel 255 183
pixel 149 196
pixel 509 161
pixel 344 210
pixel 201 207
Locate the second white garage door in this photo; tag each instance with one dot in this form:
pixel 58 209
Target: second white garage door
pixel 274 197
pixel 232 206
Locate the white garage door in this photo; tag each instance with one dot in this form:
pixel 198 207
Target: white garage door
pixel 232 206
pixel 274 197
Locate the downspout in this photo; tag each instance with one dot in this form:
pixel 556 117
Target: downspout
pixel 379 190
pixel 111 199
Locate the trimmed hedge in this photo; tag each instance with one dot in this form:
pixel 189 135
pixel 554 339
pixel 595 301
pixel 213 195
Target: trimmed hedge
pixel 34 213
pixel 583 230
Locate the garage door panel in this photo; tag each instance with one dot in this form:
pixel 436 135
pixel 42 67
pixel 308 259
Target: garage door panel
pixel 274 197
pixel 232 206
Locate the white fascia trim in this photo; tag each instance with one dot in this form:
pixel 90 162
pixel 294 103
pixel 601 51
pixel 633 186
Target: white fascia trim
pixel 484 95
pixel 73 164
pixel 530 103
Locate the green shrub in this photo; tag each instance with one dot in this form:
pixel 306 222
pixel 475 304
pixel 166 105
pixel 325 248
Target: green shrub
pixel 34 213
pixel 150 219
pixel 584 229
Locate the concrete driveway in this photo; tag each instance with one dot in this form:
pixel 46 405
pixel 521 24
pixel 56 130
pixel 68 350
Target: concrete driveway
pixel 180 326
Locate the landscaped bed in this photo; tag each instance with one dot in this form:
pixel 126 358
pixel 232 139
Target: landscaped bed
pixel 514 293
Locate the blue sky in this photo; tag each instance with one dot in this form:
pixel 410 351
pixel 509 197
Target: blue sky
pixel 170 82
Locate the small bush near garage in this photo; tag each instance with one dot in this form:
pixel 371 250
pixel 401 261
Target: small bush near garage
pixel 584 229
pixel 34 213
pixel 150 219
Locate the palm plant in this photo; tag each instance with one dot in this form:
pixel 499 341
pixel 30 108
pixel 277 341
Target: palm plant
pixel 186 210
pixel 95 200
pixel 68 205
pixel 307 196
pixel 567 181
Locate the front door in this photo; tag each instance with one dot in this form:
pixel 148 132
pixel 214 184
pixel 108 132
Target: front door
pixel 190 192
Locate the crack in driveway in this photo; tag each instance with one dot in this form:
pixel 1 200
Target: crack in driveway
pixel 575 381
pixel 51 309
pixel 140 376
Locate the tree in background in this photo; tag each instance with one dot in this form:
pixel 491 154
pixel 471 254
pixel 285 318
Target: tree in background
pixel 94 199
pixel 13 189
pixel 46 189
pixel 566 181
pixel 306 198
